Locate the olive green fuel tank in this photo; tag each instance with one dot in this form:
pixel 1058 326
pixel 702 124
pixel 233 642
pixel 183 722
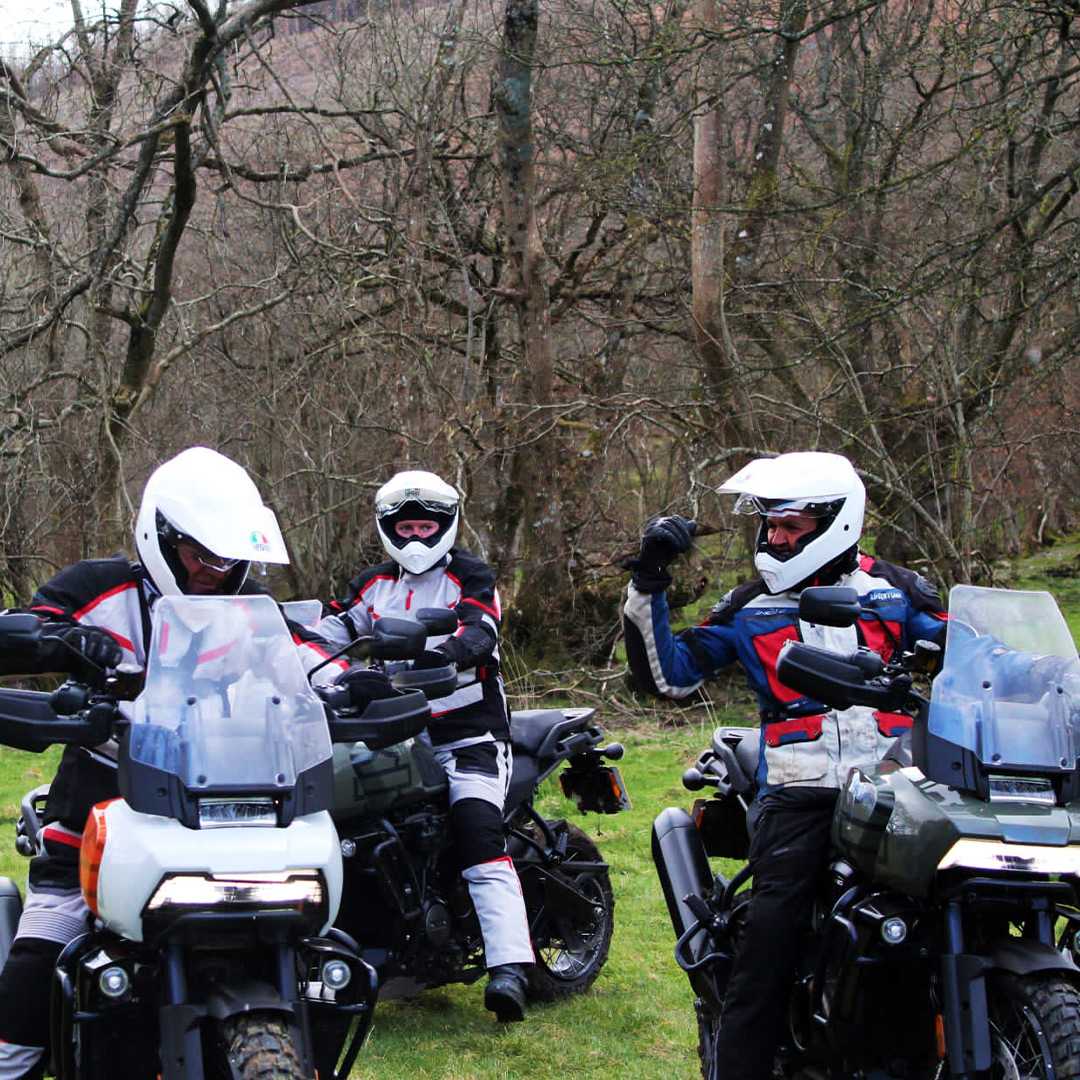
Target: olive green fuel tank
pixel 377 781
pixel 896 826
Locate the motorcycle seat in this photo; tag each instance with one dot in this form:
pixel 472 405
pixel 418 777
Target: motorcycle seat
pixel 744 743
pixel 536 732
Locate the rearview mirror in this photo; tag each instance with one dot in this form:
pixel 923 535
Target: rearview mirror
pixel 438 620
pixel 398 639
pixel 19 630
pixel 830 605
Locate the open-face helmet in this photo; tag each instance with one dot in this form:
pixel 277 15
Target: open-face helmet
pixel 203 496
pixel 823 486
pixel 416 496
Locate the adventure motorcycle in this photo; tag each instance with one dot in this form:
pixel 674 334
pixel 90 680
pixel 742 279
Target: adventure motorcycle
pixel 945 934
pixel 216 877
pixel 405 901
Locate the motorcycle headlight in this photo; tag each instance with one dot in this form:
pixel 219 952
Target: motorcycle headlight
pixel 298 892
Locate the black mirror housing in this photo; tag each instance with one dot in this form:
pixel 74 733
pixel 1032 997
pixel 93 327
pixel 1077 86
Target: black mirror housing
pixel 398 639
pixel 437 620
pixel 830 605
pixel 19 631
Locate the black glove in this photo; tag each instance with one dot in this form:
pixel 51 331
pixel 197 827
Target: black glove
pixel 97 648
pixel 663 539
pixel 432 658
pixel 364 685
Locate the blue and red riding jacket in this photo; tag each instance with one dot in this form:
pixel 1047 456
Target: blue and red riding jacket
pixel 802 743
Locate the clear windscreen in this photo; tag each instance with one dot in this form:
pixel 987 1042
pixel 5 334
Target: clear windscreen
pixel 226 702
pixel 1009 687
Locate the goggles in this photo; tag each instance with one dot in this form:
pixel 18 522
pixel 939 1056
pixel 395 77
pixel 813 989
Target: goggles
pixel 432 506
pixel 755 504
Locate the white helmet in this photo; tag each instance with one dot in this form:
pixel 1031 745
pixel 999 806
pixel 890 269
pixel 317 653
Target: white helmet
pixel 203 495
pixel 416 496
pixel 825 486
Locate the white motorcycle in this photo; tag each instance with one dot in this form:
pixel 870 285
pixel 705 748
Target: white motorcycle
pixel 216 877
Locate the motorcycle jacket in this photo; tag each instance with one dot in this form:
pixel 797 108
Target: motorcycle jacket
pixel 115 595
pixel 802 743
pixel 459 580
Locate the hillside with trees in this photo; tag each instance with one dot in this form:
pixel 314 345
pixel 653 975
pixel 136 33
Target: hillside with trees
pixel 582 258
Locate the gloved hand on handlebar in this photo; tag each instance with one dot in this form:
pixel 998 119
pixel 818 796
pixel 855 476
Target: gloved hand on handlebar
pixel 362 686
pixel 97 648
pixel 431 658
pixel 663 540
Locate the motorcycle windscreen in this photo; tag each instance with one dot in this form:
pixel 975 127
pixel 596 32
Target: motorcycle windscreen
pixel 1009 687
pixel 226 704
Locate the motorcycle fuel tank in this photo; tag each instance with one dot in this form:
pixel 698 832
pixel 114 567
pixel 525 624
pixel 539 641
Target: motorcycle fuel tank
pixel 897 826
pixel 374 781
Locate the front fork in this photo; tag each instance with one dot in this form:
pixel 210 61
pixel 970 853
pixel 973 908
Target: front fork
pixel 964 1001
pixel 964 976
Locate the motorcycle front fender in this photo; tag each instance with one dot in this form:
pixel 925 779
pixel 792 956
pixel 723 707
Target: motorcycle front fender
pixel 1022 956
pixel 245 996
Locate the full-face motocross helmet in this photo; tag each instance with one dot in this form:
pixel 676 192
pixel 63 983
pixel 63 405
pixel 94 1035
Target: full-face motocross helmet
pixel 416 496
pixel 204 496
pixel 824 486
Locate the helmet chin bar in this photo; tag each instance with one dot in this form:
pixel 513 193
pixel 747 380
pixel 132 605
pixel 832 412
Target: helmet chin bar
pixel 416 554
pixel 829 544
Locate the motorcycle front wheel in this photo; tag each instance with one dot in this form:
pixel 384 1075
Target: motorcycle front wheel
pixel 260 1047
pixel 571 951
pixel 1034 1027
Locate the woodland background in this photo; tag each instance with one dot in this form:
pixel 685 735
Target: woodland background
pixel 581 258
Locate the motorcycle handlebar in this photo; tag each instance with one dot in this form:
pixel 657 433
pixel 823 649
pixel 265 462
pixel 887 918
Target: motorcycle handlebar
pixel 839 681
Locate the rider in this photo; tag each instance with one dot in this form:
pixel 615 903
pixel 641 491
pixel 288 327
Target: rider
pixel 416 514
pixel 810 507
pixel 201 524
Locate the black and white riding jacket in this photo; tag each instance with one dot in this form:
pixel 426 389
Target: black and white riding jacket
pixel 465 584
pixel 117 596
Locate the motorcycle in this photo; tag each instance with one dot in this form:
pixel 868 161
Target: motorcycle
pixel 405 901
pixel 215 879
pixel 946 927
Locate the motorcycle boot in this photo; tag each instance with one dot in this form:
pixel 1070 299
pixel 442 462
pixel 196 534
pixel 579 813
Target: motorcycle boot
pixel 505 993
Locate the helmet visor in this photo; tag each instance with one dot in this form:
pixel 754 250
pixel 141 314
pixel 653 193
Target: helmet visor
pixel 428 503
pixel 755 504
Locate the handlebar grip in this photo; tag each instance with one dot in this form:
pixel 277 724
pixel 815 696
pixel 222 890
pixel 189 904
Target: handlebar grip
pixel 337 697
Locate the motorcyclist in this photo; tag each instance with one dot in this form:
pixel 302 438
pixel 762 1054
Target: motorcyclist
pixel 201 524
pixel 416 515
pixel 811 508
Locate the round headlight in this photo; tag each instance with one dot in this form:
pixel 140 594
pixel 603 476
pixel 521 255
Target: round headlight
pixel 114 982
pixel 893 930
pixel 336 974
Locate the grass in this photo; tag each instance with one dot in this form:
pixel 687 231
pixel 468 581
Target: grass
pixel 636 1020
